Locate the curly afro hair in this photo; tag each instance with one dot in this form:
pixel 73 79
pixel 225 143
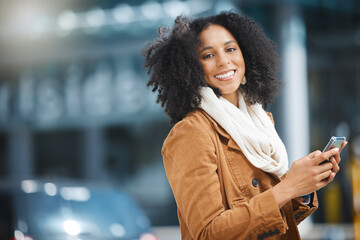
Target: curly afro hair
pixel 173 62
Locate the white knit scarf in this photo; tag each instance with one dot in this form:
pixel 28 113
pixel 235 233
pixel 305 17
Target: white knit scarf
pixel 252 130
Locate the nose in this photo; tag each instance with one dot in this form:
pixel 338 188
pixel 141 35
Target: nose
pixel 222 59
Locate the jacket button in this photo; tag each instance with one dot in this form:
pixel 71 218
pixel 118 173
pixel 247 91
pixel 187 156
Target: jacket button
pixel 255 182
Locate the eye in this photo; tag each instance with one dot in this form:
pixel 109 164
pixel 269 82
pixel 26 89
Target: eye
pixel 231 49
pixel 206 56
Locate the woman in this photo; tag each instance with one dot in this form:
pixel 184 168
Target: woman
pixel 227 167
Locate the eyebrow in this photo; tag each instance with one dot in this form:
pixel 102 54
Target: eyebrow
pixel 210 47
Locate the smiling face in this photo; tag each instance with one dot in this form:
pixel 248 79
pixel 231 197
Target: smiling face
pixel 222 61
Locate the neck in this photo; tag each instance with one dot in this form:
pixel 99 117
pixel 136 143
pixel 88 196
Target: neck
pixel 233 98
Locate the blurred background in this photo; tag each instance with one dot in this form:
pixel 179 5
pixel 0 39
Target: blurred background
pixel 74 102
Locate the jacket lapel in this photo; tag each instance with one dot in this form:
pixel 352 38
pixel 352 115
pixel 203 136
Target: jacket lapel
pixel 221 131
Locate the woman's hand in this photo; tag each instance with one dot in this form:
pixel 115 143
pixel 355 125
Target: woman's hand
pixel 307 175
pixel 335 160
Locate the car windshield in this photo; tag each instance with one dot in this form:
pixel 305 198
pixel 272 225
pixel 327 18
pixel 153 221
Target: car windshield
pixel 77 211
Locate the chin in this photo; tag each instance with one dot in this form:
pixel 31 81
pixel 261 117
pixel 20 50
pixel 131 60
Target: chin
pixel 229 90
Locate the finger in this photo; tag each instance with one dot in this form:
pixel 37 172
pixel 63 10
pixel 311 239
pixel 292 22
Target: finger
pixel 337 157
pixel 344 143
pixel 325 175
pixel 319 159
pixel 324 167
pixel 330 178
pixel 314 154
pixel 335 167
pixel 327 178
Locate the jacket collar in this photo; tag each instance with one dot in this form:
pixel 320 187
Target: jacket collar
pixel 220 130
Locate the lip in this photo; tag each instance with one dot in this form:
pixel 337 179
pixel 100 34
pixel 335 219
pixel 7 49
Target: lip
pixel 224 72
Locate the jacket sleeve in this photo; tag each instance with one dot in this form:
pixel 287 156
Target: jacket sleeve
pixel 190 162
pixel 301 210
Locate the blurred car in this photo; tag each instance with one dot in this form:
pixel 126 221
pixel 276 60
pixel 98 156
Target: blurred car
pixel 66 210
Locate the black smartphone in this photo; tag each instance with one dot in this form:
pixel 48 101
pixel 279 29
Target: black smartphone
pixel 334 142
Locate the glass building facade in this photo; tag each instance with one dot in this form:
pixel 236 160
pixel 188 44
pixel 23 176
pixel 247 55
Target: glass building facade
pixel 74 101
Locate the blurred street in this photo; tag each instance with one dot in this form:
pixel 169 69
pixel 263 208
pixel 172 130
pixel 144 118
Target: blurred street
pixel 167 232
pixel 316 232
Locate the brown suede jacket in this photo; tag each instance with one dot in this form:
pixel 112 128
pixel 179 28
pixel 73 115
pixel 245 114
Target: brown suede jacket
pixel 219 193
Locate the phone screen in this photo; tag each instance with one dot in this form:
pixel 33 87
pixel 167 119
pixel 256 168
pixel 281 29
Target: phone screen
pixel 334 142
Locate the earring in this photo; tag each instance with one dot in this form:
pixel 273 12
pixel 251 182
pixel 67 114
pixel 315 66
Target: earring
pixel 243 81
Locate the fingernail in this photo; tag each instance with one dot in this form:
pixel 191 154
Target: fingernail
pixel 336 149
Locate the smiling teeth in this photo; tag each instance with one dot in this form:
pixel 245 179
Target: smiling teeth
pixel 225 75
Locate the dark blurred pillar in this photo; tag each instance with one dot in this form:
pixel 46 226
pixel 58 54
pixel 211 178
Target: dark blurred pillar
pixel 357 119
pixel 20 155
pixel 92 163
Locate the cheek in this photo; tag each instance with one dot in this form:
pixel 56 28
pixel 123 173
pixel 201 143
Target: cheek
pixel 207 68
pixel 241 60
pixel 238 58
